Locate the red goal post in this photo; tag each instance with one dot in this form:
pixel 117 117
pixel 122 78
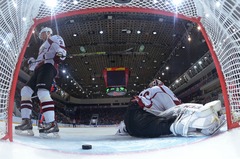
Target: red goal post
pixel 219 21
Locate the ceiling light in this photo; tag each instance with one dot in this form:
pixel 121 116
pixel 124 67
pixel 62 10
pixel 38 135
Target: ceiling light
pixel 141 48
pixel 101 32
pixel 75 34
pixel 82 49
pixel 128 31
pixel 52 3
pixel 160 19
pixel 176 2
pixel 154 32
pixel 14 4
pixel 218 4
pixel 63 71
pixel 75 2
pixel 138 32
pixel 109 17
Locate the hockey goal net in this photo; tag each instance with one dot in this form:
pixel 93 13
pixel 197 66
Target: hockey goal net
pixel 219 20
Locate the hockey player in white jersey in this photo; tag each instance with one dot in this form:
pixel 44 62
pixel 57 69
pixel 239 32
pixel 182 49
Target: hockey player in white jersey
pixel 147 105
pixel 156 111
pixel 45 69
pixel 157 98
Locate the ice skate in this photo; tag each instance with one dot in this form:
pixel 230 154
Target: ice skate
pixel 50 130
pixel 25 128
pixel 122 129
pixel 40 126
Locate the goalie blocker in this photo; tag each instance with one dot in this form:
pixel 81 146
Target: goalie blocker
pixel 189 119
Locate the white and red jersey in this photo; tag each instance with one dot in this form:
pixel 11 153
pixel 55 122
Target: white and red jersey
pixel 157 99
pixel 48 50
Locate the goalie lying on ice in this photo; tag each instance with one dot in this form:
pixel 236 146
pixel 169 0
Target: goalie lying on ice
pixel 189 119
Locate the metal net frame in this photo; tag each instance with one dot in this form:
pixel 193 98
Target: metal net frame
pixel 219 21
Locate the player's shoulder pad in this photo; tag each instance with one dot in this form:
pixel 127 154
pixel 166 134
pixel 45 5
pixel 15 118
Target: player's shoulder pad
pixel 55 37
pixel 58 39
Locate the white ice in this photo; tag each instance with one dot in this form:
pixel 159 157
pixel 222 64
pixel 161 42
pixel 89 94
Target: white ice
pixel 106 145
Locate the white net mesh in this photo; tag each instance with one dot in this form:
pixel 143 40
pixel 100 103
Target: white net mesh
pixel 219 18
pixel 221 21
pixel 16 19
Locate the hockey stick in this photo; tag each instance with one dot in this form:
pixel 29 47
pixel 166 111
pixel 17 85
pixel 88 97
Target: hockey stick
pixel 46 59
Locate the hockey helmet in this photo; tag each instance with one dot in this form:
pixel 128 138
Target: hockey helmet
pixel 155 82
pixel 46 29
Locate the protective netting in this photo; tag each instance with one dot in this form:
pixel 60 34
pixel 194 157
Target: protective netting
pixel 221 21
pixel 16 19
pixel 219 18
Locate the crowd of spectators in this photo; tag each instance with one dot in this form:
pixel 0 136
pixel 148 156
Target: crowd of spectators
pixel 107 116
pixel 82 115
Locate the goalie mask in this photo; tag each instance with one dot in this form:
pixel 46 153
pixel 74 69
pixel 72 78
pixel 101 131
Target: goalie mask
pixel 45 30
pixel 155 82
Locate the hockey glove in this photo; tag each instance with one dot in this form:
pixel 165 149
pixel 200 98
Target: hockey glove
pixel 31 63
pixel 31 60
pixel 61 54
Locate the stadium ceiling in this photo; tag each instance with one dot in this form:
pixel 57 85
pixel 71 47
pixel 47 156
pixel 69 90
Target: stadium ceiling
pixel 144 43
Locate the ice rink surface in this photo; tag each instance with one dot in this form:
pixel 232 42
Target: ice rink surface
pixel 107 145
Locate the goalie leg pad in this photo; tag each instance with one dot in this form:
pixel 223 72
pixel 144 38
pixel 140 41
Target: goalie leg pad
pixel 206 117
pixel 176 110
